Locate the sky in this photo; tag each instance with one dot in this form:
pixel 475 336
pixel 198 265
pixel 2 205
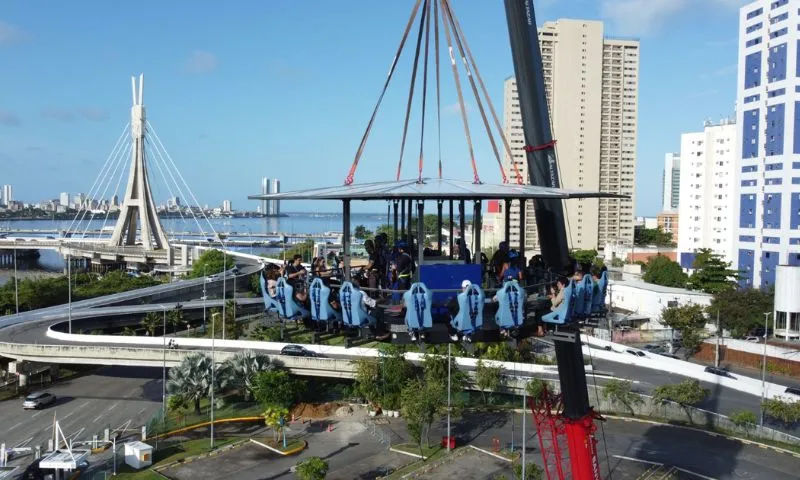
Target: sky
pixel 280 88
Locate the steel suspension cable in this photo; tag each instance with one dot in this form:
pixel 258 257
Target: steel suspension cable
pixel 489 102
pixel 411 89
pixel 438 84
pixel 360 151
pixel 448 16
pixel 460 96
pixel 424 86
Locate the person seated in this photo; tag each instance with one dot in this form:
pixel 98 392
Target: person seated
pixel 510 269
pixel 453 309
pixel 272 276
pixel 558 298
pixel 367 303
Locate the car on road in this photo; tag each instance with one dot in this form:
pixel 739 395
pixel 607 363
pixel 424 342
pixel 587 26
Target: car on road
pixel 793 391
pixel 752 339
pixel 637 353
pixel 722 372
pixel 38 400
pixel 297 351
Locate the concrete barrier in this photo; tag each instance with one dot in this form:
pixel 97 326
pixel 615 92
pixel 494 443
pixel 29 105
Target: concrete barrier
pixel 618 353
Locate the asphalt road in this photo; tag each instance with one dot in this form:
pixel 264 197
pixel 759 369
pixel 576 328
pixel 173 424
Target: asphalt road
pixel 118 398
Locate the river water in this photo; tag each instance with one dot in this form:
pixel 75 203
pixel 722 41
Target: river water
pixel 313 223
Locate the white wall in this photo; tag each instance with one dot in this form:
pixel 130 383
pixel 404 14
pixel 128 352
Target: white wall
pixel 650 300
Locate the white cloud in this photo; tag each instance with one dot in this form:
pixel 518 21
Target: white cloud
pixel 10 34
pixel 8 118
pixel 201 61
pixel 644 17
pixel 455 108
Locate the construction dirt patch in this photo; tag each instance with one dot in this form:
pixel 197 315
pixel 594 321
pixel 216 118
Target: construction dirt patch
pixel 315 410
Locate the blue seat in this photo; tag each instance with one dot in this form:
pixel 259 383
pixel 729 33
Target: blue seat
pixel 511 305
pixel 270 304
pixel 321 309
pixel 470 310
pixel 353 313
pixel 563 313
pixel 418 300
pixel 287 307
pixel 580 297
pixel 586 289
pixel 599 297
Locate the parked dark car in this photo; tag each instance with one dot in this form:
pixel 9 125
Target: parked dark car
pixel 793 391
pixel 297 351
pixel 722 372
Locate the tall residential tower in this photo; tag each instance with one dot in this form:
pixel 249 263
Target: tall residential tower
pixel 592 87
pixel 768 119
pixel 671 183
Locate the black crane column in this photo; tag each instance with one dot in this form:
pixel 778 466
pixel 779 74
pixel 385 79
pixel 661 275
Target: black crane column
pixel 439 205
pixel 452 229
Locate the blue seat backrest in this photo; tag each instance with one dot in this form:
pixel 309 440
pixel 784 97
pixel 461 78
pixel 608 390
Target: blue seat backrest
pixel 353 313
pixel 588 295
pixel 268 301
pixel 285 298
pixel 319 294
pixel 417 301
pixel 599 300
pixel 511 308
pixel 470 309
pixel 578 298
pixel 563 313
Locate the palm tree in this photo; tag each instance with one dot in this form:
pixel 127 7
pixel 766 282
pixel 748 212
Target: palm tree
pixel 240 370
pixel 191 379
pixel 151 322
pixel 175 318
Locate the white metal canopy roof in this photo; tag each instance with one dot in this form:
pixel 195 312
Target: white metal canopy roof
pixel 432 189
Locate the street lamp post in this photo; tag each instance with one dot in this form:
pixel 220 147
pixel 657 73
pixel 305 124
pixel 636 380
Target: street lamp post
pixel 164 368
pixel 205 295
pixel 69 291
pixel 213 372
pixel 16 281
pixel 764 367
pixel 448 397
pixel 224 283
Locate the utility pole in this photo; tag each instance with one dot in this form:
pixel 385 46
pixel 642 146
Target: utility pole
pixel 69 291
pixel 224 283
pixel 448 397
pixel 764 367
pixel 719 334
pixel 524 403
pixel 213 372
pixel 16 281
pixel 205 295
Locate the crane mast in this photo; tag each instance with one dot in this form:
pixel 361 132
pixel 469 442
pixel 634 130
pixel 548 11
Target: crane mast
pixel 576 419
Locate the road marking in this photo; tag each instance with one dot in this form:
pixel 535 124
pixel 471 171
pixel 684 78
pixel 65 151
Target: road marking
pixel 140 412
pixel 693 473
pixel 637 460
pixel 123 426
pixel 15 426
pixel 97 418
pixel 66 416
pixel 75 435
pixel 24 442
pixel 112 407
pixel 36 414
pixel 84 404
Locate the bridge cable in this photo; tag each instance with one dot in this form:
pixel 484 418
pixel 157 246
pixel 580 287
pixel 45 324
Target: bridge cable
pixel 181 192
pixel 360 151
pixel 116 192
pixel 118 164
pixel 448 16
pixel 169 188
pixel 108 159
pixel 461 104
pixel 118 159
pixel 424 85
pixel 489 102
pixel 411 88
pixel 188 188
pixel 438 83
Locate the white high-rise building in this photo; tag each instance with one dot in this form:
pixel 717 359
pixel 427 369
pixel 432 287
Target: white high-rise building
pixel 63 199
pixel 592 85
pixel 265 204
pixel 275 205
pixel 226 206
pixel 671 183
pixel 7 195
pixel 768 118
pixel 708 192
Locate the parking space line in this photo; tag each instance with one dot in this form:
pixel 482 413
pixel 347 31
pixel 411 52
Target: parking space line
pixel 24 442
pixel 693 473
pixel 632 459
pixel 97 418
pixel 14 426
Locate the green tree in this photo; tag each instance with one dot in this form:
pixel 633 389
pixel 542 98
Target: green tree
pixel 689 320
pixel 711 273
pixel 277 388
pixel 211 262
pixel 501 352
pixel 240 371
pixel 151 322
pixel 741 310
pixel 313 468
pixel 488 378
pixel 174 319
pixel 660 270
pixel 434 370
pixel 367 379
pixel 652 236
pixel 744 419
pixel 395 371
pixel 421 402
pixel 276 418
pixel 361 232
pixel 619 392
pixel 191 379
pixel 388 230
pixel 687 394
pixel 535 387
pixel 532 472
pixel 782 410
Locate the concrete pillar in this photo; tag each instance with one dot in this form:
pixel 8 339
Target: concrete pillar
pixel 55 372
pixel 23 379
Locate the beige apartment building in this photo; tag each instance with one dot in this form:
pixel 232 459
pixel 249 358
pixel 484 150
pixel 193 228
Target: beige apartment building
pixel 592 87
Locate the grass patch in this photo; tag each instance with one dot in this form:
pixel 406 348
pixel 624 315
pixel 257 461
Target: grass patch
pixel 181 419
pixel 171 454
pixel 412 467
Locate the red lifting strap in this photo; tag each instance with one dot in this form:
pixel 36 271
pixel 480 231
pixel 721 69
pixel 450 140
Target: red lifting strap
pixel 545 146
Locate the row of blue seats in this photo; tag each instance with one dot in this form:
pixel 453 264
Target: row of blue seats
pixel 582 301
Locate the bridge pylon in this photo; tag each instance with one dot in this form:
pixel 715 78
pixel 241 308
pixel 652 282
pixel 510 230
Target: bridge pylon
pixel 138 208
